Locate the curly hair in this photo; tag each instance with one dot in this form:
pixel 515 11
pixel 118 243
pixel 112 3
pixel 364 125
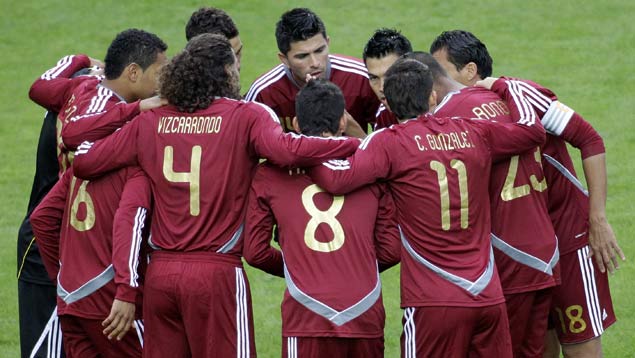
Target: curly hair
pixel 199 73
pixel 210 20
pixel 132 46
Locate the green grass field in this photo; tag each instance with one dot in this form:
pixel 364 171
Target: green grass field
pixel 584 51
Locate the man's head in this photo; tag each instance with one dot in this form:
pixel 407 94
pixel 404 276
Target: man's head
pixel 408 88
pixel 303 44
pixel 205 69
pixel 319 108
pixel 210 20
pixel 135 58
pixel 463 56
pixel 380 52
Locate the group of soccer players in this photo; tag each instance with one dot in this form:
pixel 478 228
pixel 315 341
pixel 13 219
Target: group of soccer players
pixel 465 180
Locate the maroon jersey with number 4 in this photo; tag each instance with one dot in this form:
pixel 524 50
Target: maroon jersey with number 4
pixel 526 249
pixel 277 89
pixel 200 166
pixel 330 249
pixel 438 170
pixel 90 237
pixel 87 110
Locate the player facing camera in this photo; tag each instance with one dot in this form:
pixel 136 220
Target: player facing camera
pixel 319 109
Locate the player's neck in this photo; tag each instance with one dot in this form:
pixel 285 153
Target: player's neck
pixel 120 89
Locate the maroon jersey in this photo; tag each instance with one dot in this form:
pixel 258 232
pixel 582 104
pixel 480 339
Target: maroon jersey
pixel 384 118
pixel 93 262
pixel 87 110
pixel 568 200
pixel 330 253
pixel 526 248
pixel 438 170
pixel 277 89
pixel 200 166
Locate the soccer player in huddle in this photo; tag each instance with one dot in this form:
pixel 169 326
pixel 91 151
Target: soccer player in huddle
pixel 211 20
pixel 438 171
pixel 196 294
pixel 84 259
pixel 581 306
pixel 332 247
pixel 381 51
pixel 525 245
pixel 304 53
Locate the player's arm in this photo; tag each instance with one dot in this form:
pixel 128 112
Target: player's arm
pixel 118 150
pixel 94 126
pixel 387 238
pixel 369 163
pixel 46 221
pixel 257 248
pixel 128 228
pixel 52 88
pixel 287 149
pixel 512 138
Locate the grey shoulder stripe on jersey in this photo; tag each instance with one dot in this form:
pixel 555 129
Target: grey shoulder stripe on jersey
pixel 337 317
pixel 86 289
pixel 474 288
pixel 525 258
pixel 232 242
pixel 562 169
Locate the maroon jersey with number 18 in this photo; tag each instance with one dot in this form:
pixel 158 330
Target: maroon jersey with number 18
pixel 330 245
pixel 526 249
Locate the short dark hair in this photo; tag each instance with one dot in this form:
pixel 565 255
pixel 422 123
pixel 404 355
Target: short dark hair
pixel 297 24
pixel 385 42
pixel 407 87
pixel 198 74
pixel 132 46
pixel 319 107
pixel 210 20
pixel 427 59
pixel 462 48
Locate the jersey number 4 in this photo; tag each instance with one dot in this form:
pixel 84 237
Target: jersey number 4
pixel 193 177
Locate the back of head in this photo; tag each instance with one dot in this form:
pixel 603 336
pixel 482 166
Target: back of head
pixel 319 106
pixel 407 86
pixel 132 46
pixel 385 42
pixel 202 71
pixel 210 20
pixel 427 59
pixel 462 48
pixel 297 24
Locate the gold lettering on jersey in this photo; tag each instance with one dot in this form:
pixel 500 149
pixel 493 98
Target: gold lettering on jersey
pixel 419 144
pixel 491 110
pixel 190 125
pixel 82 196
pixel 447 141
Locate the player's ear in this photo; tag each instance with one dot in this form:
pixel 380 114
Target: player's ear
pixel 133 71
pixel 471 70
pixel 296 125
pixel 342 126
pixel 432 100
pixel 283 58
pixel 328 40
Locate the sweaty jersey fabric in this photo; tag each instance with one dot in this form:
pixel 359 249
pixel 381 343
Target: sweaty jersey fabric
pixel 526 246
pixel 277 89
pixel 438 170
pixel 87 110
pixel 568 200
pixel 200 166
pixel 90 236
pixel 331 247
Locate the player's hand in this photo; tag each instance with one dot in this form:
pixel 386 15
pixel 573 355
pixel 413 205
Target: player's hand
pixel 95 62
pixel 96 71
pixel 152 103
pixel 120 319
pixel 308 78
pixel 486 83
pixel 604 245
pixel 353 129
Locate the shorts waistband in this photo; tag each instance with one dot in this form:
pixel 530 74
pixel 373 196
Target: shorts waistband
pixel 200 256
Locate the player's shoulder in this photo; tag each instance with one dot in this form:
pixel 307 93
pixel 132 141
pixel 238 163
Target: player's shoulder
pixel 347 65
pixel 531 88
pixel 266 81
